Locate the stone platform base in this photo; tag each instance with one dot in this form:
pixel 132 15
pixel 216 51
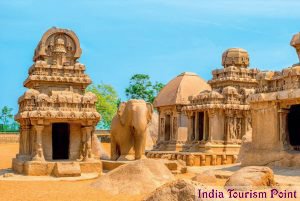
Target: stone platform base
pixel 56 168
pixel 195 158
pixel 110 165
pixel 173 166
pixel 284 159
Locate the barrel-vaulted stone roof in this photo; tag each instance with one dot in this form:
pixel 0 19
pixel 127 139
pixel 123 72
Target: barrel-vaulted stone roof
pixel 178 90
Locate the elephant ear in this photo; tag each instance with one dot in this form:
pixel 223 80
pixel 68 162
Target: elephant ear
pixel 150 111
pixel 121 112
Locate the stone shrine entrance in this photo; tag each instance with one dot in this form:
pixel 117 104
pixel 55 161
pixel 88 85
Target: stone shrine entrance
pixel 60 141
pixel 201 125
pixel 294 126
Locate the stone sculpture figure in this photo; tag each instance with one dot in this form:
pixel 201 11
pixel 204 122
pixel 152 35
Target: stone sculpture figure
pixel 238 128
pixel 232 128
pixel 129 129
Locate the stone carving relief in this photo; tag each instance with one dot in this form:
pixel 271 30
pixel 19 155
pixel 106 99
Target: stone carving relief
pixel 60 49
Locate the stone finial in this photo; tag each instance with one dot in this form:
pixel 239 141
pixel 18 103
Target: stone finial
pixel 58 47
pixel 235 57
pixel 295 42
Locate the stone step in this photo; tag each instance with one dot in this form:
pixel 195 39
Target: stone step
pixel 67 169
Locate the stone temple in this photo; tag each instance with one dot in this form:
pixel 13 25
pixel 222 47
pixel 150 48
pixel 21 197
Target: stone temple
pixel 275 109
pixel 173 123
pixel 207 127
pixel 57 117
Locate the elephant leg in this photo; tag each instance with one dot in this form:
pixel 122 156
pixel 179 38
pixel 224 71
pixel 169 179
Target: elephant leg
pixel 114 152
pixel 139 146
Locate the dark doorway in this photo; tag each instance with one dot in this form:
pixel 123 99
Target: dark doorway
pixel 201 125
pixel 167 127
pixel 294 125
pixel 60 141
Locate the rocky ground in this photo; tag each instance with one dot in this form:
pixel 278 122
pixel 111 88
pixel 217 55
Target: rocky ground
pixel 84 190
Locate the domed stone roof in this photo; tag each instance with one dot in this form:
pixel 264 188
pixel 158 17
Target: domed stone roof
pixel 235 57
pixel 178 90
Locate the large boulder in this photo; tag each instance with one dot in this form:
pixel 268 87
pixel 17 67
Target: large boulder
pixel 206 177
pixel 173 191
pixel 252 177
pixel 137 177
pixel 97 148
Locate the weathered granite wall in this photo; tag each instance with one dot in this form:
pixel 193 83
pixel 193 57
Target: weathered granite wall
pixel 14 137
pixel 9 138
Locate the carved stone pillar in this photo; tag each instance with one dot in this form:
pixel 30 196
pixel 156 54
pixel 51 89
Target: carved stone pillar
pixel 205 127
pixel 171 128
pixel 162 129
pixel 38 153
pixel 175 128
pixel 211 115
pixel 21 139
pixel 196 126
pixel 229 128
pixel 283 129
pixel 190 126
pixel 86 148
pixel 24 139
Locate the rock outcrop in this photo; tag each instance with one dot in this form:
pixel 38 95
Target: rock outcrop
pixel 151 138
pixel 206 177
pixel 173 191
pixel 138 177
pixel 252 177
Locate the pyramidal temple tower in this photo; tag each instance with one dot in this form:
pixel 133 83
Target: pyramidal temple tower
pixel 57 117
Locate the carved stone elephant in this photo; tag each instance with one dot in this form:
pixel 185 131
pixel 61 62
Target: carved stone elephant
pixel 129 129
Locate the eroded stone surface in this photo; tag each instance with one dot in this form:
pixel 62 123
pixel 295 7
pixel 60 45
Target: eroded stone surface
pixel 206 177
pixel 66 169
pixel 252 177
pixel 138 177
pixel 177 190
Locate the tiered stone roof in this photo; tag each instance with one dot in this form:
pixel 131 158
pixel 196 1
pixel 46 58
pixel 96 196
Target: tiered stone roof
pixel 57 81
pixel 230 86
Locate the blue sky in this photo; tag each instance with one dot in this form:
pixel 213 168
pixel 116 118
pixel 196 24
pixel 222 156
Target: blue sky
pixel 161 38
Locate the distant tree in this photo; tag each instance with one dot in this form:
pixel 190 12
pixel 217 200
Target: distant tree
pixel 6 115
pixel 140 87
pixel 107 103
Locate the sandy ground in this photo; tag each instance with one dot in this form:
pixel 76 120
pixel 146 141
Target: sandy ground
pixel 7 152
pixel 49 190
pixel 55 190
pixel 81 190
